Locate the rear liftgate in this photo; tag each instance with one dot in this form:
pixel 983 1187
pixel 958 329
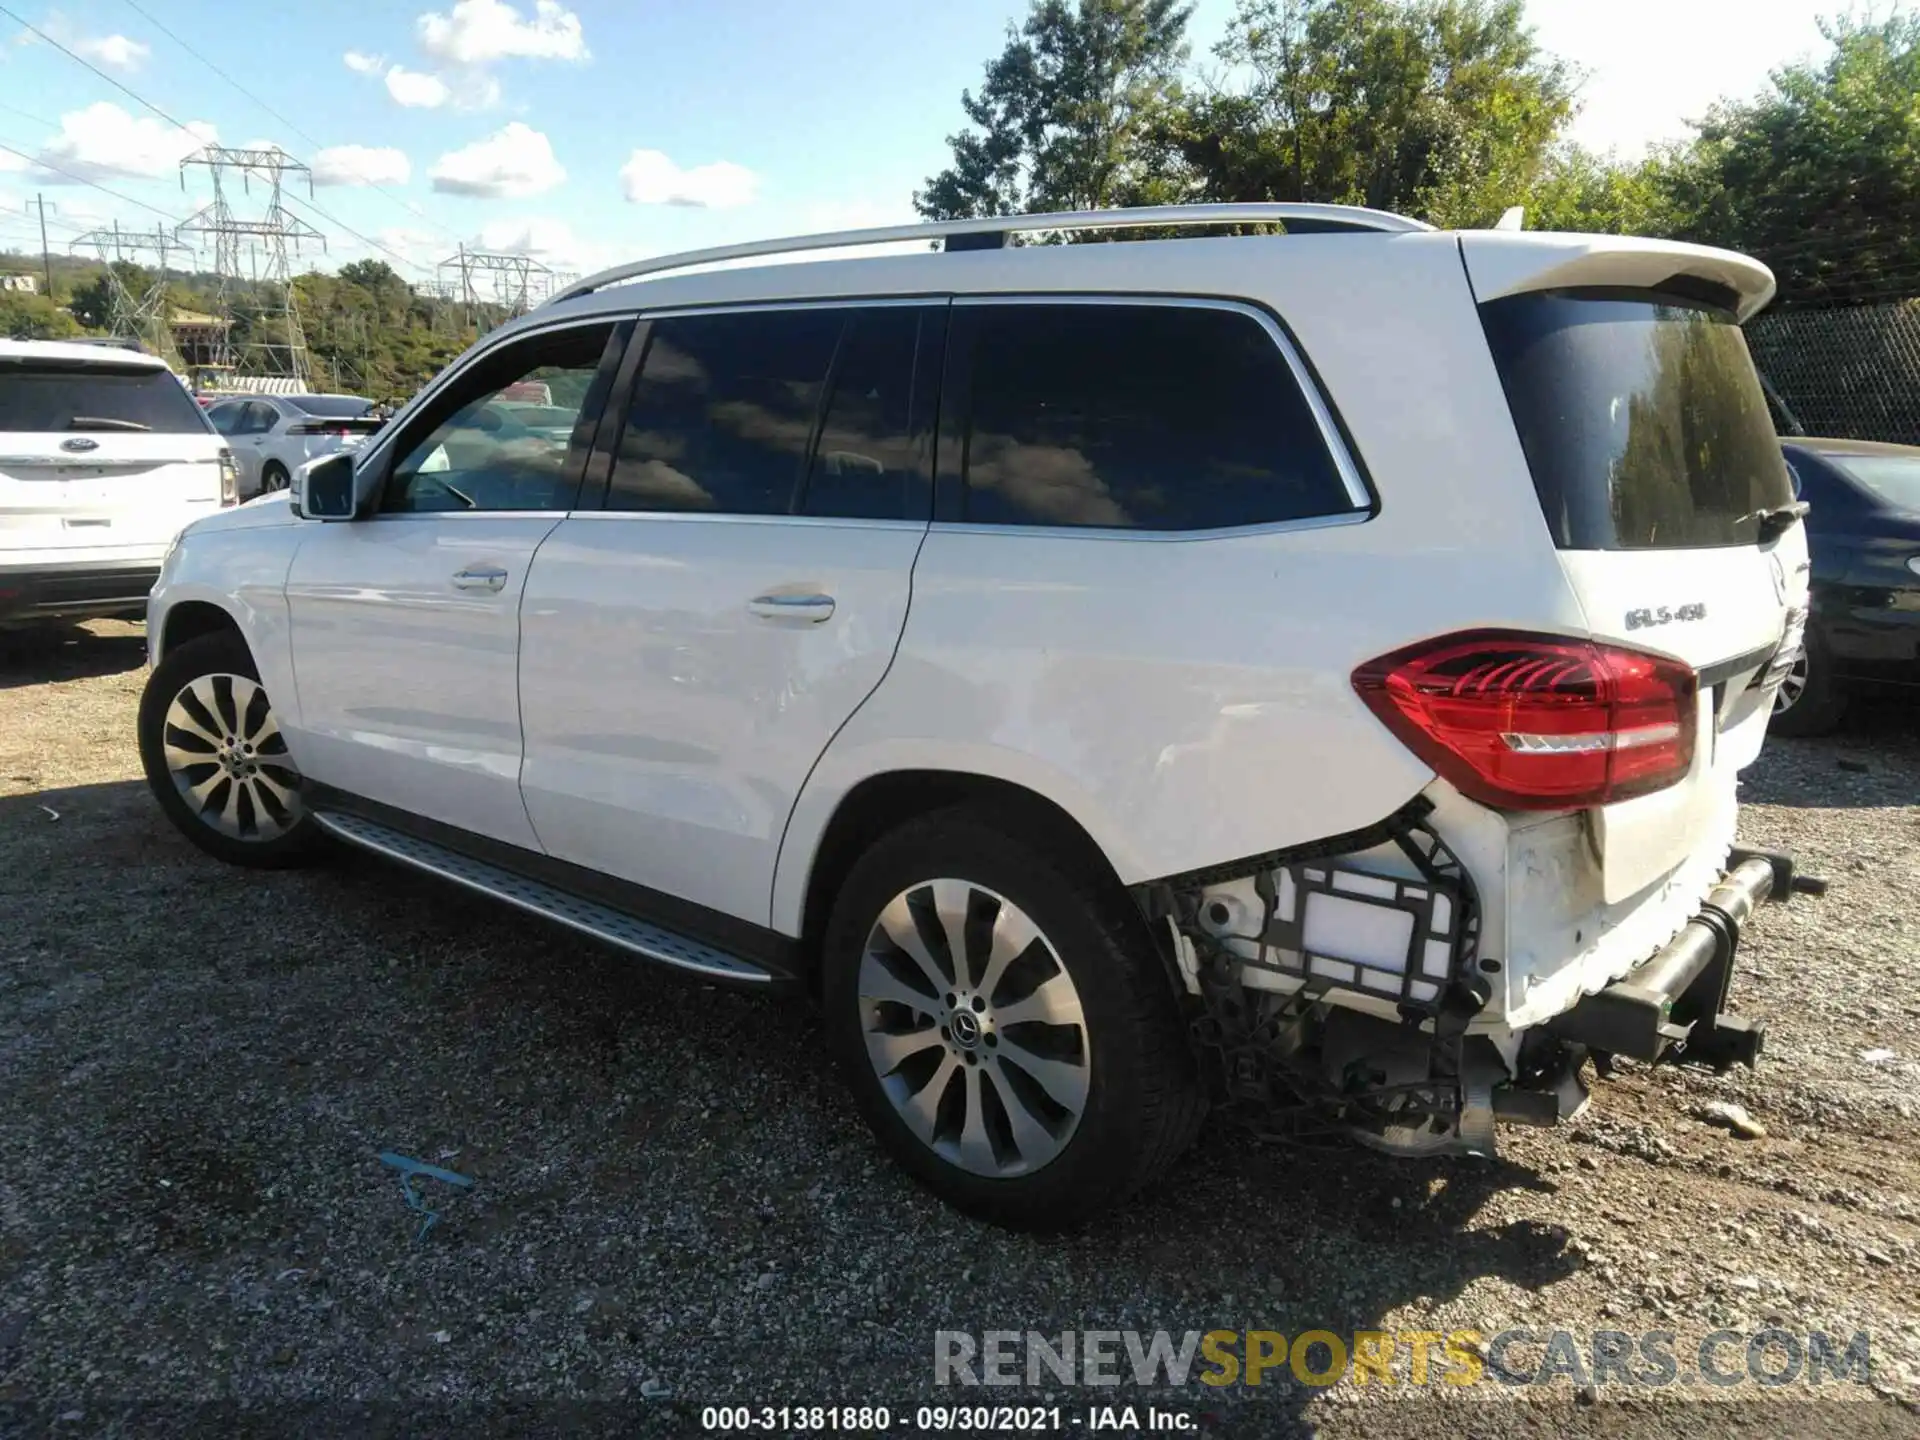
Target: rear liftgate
pixel 1264 944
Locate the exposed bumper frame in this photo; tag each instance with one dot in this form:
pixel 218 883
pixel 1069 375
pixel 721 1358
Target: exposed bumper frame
pixel 1672 1008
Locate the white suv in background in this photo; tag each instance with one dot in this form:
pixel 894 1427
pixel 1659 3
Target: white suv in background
pixel 1301 674
pixel 104 457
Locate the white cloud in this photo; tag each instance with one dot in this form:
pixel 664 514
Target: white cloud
pixel 515 162
pixel 103 139
pixel 361 165
pixel 362 63
pixel 479 32
pixel 116 52
pixel 10 162
pixel 417 89
pixel 546 239
pixel 651 178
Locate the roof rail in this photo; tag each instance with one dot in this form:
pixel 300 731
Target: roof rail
pixel 993 231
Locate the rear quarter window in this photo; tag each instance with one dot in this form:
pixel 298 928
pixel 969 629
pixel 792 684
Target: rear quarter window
pixel 1137 416
pixel 1642 418
pixel 46 396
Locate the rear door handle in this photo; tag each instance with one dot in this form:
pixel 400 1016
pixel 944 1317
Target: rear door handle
pixel 480 577
pixel 792 607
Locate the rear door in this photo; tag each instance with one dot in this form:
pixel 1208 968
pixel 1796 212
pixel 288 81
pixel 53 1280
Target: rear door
pixel 1661 479
pixel 689 650
pixel 101 460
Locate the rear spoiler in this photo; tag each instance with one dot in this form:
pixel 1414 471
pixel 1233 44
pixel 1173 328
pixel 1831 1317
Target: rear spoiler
pixel 1501 263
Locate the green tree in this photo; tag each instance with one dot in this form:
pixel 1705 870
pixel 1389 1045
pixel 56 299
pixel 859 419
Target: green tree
pixel 1576 189
pixel 1446 109
pixel 34 317
pixel 1819 175
pixel 1064 112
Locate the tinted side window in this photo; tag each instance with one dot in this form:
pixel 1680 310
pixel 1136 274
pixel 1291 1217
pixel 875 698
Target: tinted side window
pixel 867 463
pixel 226 418
pixel 1153 417
pixel 512 432
pixel 723 412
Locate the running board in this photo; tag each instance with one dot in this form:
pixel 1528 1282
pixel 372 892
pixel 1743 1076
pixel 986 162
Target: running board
pixel 549 902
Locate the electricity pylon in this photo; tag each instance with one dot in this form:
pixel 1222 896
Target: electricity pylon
pixel 130 316
pixel 484 277
pixel 277 234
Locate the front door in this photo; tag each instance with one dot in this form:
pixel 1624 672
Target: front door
pixel 690 649
pixel 406 623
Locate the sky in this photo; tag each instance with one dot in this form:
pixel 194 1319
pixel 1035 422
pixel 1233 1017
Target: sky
pixel 584 132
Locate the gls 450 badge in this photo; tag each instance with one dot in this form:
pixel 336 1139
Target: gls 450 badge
pixel 1664 615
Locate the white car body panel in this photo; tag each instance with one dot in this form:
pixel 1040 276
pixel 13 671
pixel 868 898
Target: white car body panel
pixel 407 684
pixel 668 728
pixel 237 563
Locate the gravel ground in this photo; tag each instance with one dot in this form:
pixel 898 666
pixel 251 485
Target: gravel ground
pixel 673 1206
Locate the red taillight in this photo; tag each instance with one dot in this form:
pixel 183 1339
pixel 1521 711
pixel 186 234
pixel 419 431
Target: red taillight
pixel 306 429
pixel 1537 722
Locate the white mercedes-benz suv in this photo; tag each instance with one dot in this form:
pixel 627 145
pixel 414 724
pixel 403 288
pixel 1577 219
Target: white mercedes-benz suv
pixel 1302 675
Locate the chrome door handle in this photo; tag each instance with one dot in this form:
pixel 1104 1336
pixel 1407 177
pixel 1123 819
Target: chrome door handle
pixel 479 577
pixel 791 607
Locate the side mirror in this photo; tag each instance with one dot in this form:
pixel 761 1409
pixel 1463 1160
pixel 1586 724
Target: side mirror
pixel 323 489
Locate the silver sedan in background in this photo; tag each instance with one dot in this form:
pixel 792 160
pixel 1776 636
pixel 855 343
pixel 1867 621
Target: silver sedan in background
pixel 273 435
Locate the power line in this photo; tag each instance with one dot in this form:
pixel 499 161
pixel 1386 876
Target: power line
pixel 82 60
pixel 402 203
pixel 46 164
pixel 148 104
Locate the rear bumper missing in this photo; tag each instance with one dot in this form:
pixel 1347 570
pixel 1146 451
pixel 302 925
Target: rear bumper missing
pixel 1673 1008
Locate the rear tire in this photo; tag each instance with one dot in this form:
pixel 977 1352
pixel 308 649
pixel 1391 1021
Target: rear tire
pixel 215 759
pixel 1045 1080
pixel 1808 702
pixel 273 476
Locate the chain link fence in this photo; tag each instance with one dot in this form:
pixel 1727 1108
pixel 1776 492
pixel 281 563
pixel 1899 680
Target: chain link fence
pixel 1851 374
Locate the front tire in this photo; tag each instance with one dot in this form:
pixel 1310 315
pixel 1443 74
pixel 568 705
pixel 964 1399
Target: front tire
pixel 215 758
pixel 1005 1023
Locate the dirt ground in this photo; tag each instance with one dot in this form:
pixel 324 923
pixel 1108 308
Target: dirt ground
pixel 674 1208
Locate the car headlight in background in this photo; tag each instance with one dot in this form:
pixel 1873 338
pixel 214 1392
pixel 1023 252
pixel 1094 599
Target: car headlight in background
pixel 229 479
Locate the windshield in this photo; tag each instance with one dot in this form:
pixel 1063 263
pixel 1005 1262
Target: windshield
pixel 1642 419
pixel 1894 478
pixel 39 396
pixel 333 407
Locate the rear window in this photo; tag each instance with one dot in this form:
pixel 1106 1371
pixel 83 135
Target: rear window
pixel 38 397
pixel 1894 478
pixel 1642 419
pixel 333 407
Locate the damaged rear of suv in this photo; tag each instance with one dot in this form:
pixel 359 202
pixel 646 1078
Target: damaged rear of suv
pixel 1567 885
pixel 1306 674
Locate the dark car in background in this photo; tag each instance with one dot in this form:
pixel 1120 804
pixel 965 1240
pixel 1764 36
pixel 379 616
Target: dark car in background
pixel 1863 528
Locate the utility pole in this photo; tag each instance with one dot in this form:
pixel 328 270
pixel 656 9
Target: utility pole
pixel 46 255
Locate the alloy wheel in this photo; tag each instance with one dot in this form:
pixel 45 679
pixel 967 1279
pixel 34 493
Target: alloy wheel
pixel 974 1028
pixel 1792 686
pixel 228 759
